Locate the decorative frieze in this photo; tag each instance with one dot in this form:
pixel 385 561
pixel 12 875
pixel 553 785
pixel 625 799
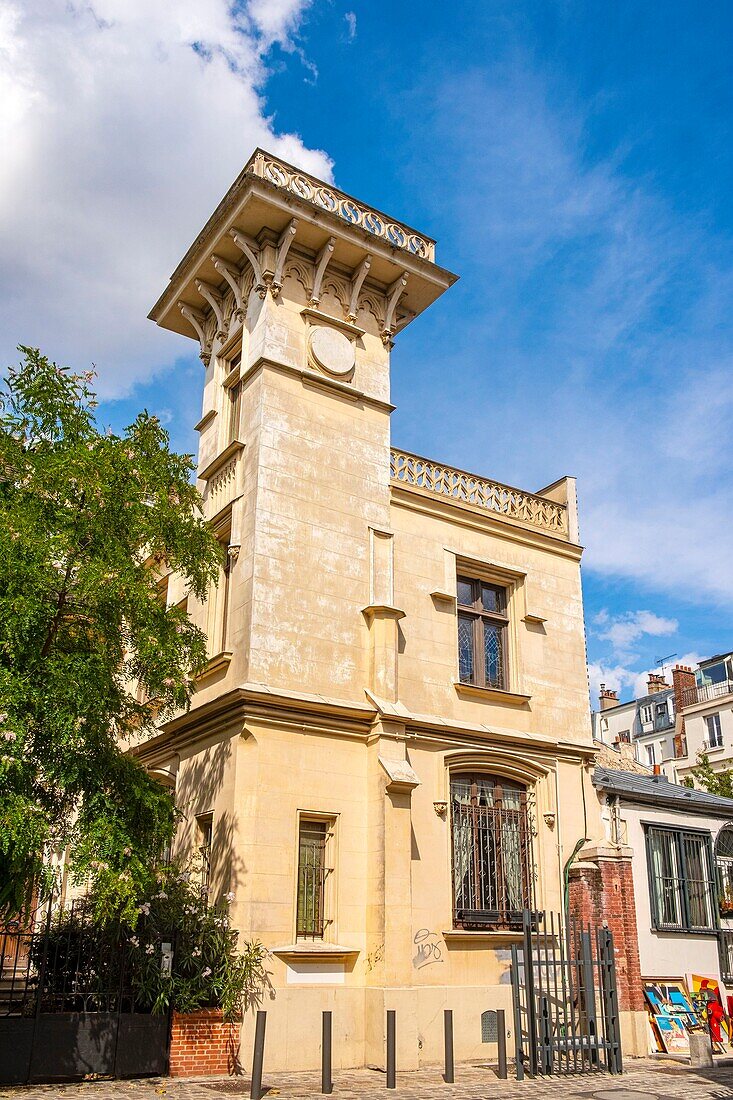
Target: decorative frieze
pixel 421 473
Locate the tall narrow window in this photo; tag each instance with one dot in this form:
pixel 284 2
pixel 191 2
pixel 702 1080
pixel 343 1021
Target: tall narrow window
pixel 313 846
pixel 234 389
pixel 724 867
pixel 225 598
pixel 492 857
pixel 482 633
pixel 205 825
pixel 681 879
pixel 714 732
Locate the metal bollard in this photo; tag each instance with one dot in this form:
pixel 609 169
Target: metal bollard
pixel 390 1049
pixel 449 1075
pixel 258 1055
pixel 501 1039
pixel 326 1079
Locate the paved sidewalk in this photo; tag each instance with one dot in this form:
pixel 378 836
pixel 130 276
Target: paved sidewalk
pixel 643 1080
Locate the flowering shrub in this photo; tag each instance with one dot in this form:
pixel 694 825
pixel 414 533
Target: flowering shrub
pixel 94 958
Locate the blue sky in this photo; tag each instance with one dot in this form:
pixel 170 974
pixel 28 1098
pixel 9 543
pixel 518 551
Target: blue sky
pixel 574 163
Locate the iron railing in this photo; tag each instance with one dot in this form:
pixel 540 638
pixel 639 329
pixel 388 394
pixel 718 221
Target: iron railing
pixel 704 693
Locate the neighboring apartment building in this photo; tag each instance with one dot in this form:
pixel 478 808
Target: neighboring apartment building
pixel 682 844
pixel 648 723
pixel 705 714
pixel 388 757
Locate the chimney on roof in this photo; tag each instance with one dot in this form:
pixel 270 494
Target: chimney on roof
pixel 607 697
pixel 656 682
pixel 683 681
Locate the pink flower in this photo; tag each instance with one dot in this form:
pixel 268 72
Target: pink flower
pixel 206 973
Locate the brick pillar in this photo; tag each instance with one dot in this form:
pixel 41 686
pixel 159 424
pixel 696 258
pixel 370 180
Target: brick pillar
pixel 683 681
pixel 203 1044
pixel 602 893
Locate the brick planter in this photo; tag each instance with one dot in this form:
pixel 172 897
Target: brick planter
pixel 203 1044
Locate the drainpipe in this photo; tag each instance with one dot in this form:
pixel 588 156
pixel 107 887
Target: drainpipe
pixel 583 840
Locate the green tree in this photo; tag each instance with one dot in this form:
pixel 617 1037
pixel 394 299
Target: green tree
pixel 87 521
pixel 714 782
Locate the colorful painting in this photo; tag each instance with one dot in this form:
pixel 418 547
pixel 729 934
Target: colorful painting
pixel 673 1033
pixel 709 1004
pixel 669 998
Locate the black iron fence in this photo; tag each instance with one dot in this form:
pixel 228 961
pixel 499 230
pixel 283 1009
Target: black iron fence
pixel 566 1017
pixel 70 1005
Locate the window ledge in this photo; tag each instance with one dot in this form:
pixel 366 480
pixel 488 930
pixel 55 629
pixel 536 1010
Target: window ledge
pixel 205 419
pixel 313 950
pixel 216 663
pixel 492 695
pixel 220 460
pixel 535 620
pixel 499 935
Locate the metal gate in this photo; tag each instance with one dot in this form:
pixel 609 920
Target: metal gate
pixel 68 1005
pixel 566 1017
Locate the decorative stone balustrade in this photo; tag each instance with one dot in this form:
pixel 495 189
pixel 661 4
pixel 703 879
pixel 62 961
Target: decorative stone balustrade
pixel 420 473
pixel 221 486
pixel 337 202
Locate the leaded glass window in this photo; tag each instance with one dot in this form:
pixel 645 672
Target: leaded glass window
pixel 482 633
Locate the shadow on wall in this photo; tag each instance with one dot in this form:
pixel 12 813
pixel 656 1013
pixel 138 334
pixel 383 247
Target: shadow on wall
pixel 198 790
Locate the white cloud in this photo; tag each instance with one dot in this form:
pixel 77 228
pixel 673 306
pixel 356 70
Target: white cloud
pixel 277 20
pixel 630 683
pixel 350 18
pixel 633 625
pixel 123 123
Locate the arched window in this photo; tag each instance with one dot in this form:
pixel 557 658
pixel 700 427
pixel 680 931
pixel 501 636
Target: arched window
pixel 492 851
pixel 724 866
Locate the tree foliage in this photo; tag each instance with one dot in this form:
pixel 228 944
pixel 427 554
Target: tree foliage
pixel 87 521
pixel 209 969
pixel 714 782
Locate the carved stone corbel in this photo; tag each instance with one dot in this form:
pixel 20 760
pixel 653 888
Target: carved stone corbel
pixel 215 300
pixel 357 279
pixel 233 276
pixel 251 250
pixel 322 261
pixel 394 293
pixel 283 247
pixel 198 321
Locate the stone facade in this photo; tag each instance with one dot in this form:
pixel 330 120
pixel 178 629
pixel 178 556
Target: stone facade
pixel 335 704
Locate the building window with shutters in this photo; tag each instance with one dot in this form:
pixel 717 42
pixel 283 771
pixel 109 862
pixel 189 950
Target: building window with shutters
pixel 493 875
pixel 681 879
pixel 315 852
pixel 483 626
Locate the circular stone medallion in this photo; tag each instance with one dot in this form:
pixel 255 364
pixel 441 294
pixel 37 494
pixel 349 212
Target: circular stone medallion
pixel 332 350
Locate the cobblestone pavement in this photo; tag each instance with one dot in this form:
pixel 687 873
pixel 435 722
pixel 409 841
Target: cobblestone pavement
pixel 643 1080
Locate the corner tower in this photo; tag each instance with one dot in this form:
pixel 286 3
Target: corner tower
pixel 295 292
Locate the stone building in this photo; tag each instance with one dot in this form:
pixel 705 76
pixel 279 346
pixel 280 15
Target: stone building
pixel 389 755
pixel 705 714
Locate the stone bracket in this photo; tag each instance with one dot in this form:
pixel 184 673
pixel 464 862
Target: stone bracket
pixel 252 251
pixel 322 261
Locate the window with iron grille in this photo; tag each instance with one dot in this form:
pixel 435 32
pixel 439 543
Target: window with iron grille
pixel 492 852
pixel 681 879
pixel 482 633
pixel 313 871
pixel 205 825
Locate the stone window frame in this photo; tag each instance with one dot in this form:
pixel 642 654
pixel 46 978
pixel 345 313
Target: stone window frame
pixel 328 922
